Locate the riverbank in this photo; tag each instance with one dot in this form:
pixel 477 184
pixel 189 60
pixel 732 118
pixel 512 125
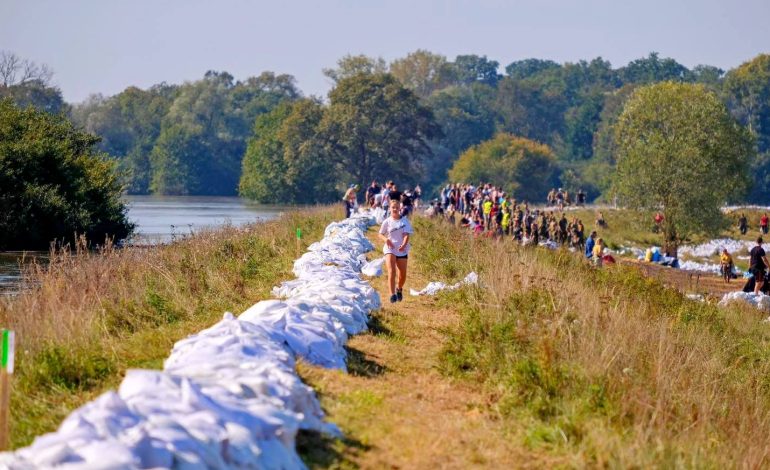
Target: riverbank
pixel 94 315
pixel 550 363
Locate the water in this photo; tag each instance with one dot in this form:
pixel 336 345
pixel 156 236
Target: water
pixel 163 218
pixel 160 219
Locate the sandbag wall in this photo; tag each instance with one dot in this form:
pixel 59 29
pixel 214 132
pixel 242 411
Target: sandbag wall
pixel 229 396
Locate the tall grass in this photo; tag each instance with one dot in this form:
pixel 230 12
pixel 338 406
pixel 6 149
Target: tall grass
pixel 604 367
pixel 92 315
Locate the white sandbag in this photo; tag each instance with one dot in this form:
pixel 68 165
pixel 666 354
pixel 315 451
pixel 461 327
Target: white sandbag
pixel 228 396
pixel 435 287
pixel 374 267
pixel 759 301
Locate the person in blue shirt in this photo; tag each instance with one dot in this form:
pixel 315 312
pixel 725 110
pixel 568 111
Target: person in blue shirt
pixel 590 245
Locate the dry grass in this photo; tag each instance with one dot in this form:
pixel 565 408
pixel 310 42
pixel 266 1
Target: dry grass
pixel 606 367
pixel 93 315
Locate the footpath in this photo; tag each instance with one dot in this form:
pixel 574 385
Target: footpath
pixel 395 407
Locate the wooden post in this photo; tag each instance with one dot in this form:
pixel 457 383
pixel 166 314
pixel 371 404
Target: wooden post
pixel 6 371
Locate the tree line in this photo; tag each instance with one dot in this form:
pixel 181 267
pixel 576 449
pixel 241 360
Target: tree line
pixel 411 118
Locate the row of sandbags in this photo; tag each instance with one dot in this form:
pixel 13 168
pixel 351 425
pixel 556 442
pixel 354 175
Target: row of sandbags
pixel 229 396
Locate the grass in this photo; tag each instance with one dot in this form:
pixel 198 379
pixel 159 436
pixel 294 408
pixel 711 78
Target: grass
pixel 94 315
pixel 602 367
pixel 633 228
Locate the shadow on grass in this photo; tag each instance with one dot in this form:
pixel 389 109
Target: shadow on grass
pixel 320 451
pixel 378 328
pixel 360 366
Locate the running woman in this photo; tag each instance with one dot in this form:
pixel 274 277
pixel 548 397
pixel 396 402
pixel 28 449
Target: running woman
pixel 395 232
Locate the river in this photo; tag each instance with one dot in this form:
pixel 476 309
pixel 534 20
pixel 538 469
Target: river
pixel 161 219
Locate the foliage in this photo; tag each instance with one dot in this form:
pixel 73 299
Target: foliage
pixel 351 65
pixel 54 183
pixel 527 167
pixel 680 151
pixel 423 72
pixel 376 128
pixel 284 162
pixel 203 136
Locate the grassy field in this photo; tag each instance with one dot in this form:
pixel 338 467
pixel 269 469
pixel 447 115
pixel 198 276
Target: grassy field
pixel 606 367
pixel 550 363
pixel 95 315
pixel 633 228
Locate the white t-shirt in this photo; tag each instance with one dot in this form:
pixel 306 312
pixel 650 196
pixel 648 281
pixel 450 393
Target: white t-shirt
pixel 396 230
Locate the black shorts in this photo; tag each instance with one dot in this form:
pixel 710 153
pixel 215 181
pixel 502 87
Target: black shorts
pixel 759 274
pixel 400 257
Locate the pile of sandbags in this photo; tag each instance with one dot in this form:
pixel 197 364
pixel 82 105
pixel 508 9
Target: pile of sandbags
pixel 229 396
pixel 759 301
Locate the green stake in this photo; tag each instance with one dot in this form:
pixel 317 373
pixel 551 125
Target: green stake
pixel 7 356
pixel 299 233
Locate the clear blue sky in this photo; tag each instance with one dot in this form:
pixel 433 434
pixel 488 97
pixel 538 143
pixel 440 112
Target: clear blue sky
pixel 106 45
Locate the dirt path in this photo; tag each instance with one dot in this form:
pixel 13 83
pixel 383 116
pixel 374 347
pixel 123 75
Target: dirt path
pixel 688 282
pixel 396 409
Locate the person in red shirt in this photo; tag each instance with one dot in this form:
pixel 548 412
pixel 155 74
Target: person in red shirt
pixel 763 224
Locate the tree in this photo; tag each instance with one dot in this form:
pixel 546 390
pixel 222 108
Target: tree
pixel 465 114
pixel 747 91
pixel 129 124
pixel 284 162
pixel 351 65
pixel 28 84
pixel 54 183
pixel 680 151
pixel 17 71
pixel 525 167
pixel 652 69
pixel 472 68
pixel 527 68
pixel 203 136
pixel 526 108
pixel 374 127
pixel 423 72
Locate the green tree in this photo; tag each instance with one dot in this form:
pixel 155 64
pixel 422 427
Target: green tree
pixel 529 67
pixel 374 127
pixel 653 69
pixel 680 151
pixel 424 72
pixel 525 167
pixel 284 162
pixel 129 124
pixel 747 91
pixel 351 65
pixel 203 136
pixel 54 183
pixel 472 69
pixel 530 109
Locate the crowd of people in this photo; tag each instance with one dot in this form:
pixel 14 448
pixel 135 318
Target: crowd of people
pixel 487 210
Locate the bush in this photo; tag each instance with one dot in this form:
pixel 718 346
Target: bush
pixel 55 186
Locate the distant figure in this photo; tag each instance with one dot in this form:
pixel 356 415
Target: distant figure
pixel 658 221
pixel 349 200
pixel 581 197
pixel 598 253
pixel 600 222
pixel 757 264
pixel 726 265
pixel 763 224
pixel 743 224
pixel 590 242
pixel 371 192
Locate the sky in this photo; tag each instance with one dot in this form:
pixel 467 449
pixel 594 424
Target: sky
pixel 104 46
